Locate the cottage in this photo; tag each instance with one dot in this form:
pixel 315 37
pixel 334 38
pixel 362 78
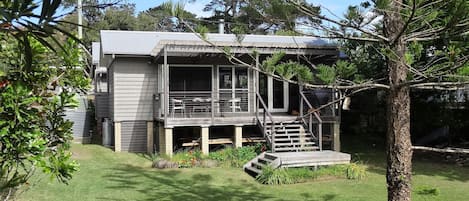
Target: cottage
pixel 169 90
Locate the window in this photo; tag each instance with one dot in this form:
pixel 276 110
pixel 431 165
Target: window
pixel 225 78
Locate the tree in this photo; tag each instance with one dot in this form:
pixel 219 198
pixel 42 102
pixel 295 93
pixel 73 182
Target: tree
pixel 120 17
pixel 98 15
pixel 158 19
pixel 33 96
pixel 409 34
pixel 410 29
pixel 253 16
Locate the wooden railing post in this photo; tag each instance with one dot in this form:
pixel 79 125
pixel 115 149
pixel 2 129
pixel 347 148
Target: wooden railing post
pixel 310 121
pixel 212 109
pixel 257 108
pixel 320 135
pixel 154 106
pixel 272 133
pixel 301 100
pixel 266 114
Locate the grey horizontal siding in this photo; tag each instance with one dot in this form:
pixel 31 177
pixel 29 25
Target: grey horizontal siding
pixel 134 136
pixel 102 105
pixel 111 92
pixel 133 88
pixel 80 118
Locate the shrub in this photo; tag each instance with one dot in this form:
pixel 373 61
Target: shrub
pixel 231 157
pixel 298 175
pixel 355 171
pixel 187 159
pixel 273 176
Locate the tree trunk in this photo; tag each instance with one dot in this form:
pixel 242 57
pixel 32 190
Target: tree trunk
pixel 399 147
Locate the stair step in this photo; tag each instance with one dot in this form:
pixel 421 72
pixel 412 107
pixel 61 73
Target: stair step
pixel 307 139
pixel 258 165
pixel 294 144
pixel 282 127
pixel 253 169
pixel 291 134
pixel 284 123
pixel 279 131
pixel 312 148
pixel 270 157
pixel 265 160
pixel 282 132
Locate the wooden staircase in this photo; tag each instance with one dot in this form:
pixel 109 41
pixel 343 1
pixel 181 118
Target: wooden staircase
pixel 293 143
pixel 295 159
pixel 254 167
pixel 289 136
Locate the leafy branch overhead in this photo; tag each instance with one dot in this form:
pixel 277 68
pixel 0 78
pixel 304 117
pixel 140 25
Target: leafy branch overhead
pixel 41 73
pixel 286 70
pixel 19 21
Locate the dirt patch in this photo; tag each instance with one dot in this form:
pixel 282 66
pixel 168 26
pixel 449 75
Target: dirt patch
pixel 78 153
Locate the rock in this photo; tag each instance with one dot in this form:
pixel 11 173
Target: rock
pixel 209 163
pixel 163 164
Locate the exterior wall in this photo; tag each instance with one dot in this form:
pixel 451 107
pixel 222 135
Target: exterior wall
pixel 101 105
pixel 81 120
pixel 133 83
pixel 252 90
pixel 111 92
pixel 134 136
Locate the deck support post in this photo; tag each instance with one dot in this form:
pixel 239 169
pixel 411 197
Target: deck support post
pixel 336 136
pixel 117 137
pixel 149 137
pixel 166 141
pixel 204 132
pixel 238 136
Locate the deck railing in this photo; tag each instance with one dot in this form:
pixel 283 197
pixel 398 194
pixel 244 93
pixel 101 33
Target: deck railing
pixel 202 104
pixel 308 116
pixel 266 116
pixel 321 99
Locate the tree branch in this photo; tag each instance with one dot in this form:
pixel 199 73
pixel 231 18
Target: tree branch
pixel 324 18
pixel 441 85
pixel 414 5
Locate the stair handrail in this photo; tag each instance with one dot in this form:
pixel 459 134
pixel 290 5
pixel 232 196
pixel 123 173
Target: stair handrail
pixel 310 115
pixel 266 113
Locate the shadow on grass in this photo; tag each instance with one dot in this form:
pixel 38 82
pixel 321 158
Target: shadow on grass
pixel 168 185
pixel 326 197
pixel 372 152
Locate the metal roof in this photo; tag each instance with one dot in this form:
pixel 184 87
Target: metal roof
pixel 96 52
pixel 151 43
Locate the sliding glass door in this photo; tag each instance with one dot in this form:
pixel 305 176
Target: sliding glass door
pixel 274 93
pixel 233 87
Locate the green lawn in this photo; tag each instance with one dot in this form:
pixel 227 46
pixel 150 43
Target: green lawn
pixel 105 175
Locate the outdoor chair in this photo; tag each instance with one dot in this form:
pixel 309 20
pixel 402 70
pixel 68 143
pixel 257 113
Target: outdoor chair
pixel 177 105
pixel 200 105
pixel 235 104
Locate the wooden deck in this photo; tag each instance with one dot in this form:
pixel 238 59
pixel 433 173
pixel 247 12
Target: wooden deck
pixel 224 141
pixel 229 119
pixel 310 159
pixel 295 159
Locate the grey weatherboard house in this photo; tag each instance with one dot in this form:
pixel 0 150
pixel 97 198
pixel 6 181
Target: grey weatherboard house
pixel 163 91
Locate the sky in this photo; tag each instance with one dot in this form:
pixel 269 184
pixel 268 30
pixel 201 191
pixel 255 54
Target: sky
pixel 336 6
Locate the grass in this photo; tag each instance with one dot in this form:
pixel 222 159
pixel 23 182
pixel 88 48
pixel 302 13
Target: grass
pixel 105 175
pixel 282 176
